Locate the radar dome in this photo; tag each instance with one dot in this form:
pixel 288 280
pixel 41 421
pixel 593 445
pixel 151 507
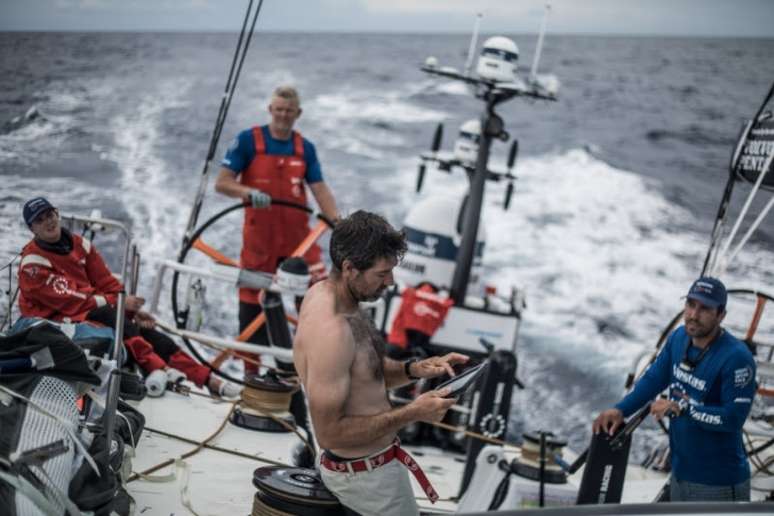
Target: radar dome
pixel 498 58
pixel 466 145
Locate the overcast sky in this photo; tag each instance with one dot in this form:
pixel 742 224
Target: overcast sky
pixel 745 18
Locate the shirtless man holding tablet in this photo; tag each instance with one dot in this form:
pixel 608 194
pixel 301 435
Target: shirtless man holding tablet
pixel 340 358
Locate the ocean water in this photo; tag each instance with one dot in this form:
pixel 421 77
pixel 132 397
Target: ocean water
pixel 618 181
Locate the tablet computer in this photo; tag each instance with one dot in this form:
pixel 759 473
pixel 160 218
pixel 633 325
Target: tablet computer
pixel 464 381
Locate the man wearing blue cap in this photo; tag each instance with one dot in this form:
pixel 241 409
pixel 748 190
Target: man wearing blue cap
pixel 62 277
pixel 711 380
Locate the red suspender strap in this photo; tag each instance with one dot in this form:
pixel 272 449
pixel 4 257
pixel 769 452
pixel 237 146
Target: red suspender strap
pixel 260 144
pixel 298 144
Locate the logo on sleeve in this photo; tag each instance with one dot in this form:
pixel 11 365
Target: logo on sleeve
pixel 742 376
pixel 61 286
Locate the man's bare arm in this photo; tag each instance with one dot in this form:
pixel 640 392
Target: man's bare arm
pixel 325 200
pixel 227 184
pixel 395 372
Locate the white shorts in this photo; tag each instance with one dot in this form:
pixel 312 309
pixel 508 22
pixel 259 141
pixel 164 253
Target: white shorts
pixel 384 491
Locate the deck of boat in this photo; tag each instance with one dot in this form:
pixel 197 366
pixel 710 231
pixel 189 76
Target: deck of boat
pixel 215 481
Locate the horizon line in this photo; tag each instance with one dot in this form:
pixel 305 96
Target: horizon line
pixel 388 32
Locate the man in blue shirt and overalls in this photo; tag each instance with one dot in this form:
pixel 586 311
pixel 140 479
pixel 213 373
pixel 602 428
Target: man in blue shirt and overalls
pixel 711 379
pixel 268 162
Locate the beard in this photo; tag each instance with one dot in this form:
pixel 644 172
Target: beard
pixel 362 295
pixel 697 330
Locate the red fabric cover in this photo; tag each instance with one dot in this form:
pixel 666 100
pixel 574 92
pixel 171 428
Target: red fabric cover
pixel 143 354
pixel 193 370
pixel 422 310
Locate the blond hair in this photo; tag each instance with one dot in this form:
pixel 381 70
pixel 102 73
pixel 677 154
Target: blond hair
pixel 288 93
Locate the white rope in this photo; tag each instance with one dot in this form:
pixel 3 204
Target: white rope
pixel 158 479
pixel 185 474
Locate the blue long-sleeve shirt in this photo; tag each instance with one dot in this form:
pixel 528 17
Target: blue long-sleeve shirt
pixel 706 439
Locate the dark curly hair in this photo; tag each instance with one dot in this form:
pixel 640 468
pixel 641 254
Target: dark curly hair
pixel 364 237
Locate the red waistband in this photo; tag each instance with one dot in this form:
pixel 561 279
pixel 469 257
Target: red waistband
pixel 380 459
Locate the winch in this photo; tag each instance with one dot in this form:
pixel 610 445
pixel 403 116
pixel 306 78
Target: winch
pixel 528 464
pixel 289 491
pixel 265 405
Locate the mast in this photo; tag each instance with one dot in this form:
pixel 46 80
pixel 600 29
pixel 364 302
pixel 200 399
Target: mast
pixel 491 127
pixel 493 85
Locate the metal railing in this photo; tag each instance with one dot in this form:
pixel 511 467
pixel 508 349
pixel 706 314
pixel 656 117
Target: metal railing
pixel 114 382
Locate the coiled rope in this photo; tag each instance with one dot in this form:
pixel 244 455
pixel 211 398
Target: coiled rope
pixel 265 401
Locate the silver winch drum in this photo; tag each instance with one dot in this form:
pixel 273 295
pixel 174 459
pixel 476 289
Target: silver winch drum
pixel 245 417
pixel 528 464
pixel 284 491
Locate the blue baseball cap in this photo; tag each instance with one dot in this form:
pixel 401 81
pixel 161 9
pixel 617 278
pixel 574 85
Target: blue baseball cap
pixel 34 208
pixel 708 291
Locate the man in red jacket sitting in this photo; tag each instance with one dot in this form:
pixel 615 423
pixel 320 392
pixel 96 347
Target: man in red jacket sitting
pixel 62 277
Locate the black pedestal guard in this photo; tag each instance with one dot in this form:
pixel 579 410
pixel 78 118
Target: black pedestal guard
pixel 277 327
pixel 605 471
pixel 494 407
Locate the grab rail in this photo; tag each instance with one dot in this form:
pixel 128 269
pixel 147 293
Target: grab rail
pixel 114 382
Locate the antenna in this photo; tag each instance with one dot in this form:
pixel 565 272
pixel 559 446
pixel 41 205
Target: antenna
pixel 473 44
pixel 539 49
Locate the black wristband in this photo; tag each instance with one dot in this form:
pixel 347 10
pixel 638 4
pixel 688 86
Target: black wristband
pixel 407 368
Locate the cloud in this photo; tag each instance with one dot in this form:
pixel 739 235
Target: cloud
pixel 491 9
pixel 669 17
pixel 138 6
